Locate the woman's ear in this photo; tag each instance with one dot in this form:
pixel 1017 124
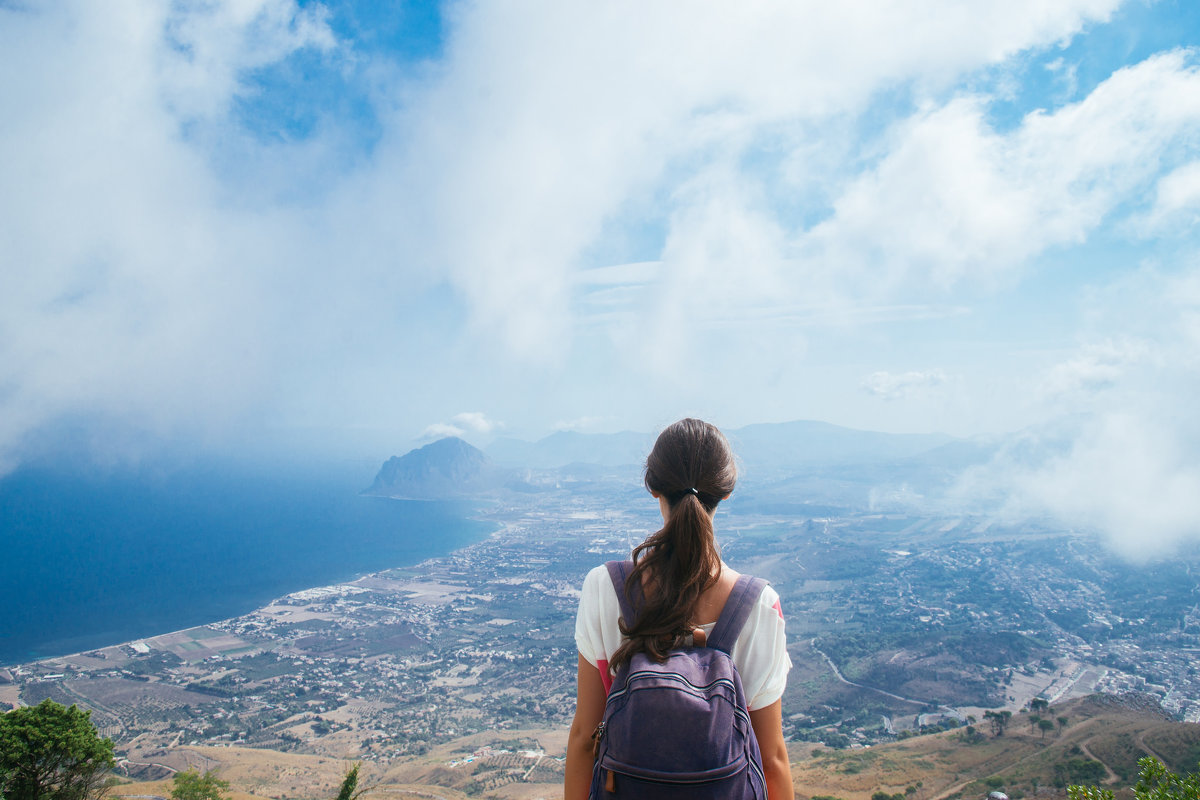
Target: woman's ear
pixel 655 494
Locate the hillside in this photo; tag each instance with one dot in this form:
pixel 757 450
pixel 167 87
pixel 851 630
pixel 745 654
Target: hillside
pixel 1100 743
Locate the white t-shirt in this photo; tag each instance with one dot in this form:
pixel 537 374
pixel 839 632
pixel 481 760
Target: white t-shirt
pixel 760 652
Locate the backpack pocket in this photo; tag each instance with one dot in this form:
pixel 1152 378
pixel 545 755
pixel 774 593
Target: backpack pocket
pixel 673 777
pixel 660 722
pixel 738 781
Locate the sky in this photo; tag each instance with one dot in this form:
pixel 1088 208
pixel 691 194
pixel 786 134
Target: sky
pixel 345 228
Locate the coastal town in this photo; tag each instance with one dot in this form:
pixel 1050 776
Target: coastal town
pixel 897 625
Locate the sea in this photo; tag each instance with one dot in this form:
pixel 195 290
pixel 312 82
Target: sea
pixel 96 557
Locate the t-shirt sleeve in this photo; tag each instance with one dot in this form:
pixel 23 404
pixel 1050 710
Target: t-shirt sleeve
pixel 766 661
pixel 588 636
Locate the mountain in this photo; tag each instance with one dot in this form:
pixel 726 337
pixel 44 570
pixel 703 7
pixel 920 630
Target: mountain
pixel 784 446
pixel 767 448
pixel 571 447
pixel 446 468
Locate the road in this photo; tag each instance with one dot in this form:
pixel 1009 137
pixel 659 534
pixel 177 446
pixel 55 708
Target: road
pixel 838 674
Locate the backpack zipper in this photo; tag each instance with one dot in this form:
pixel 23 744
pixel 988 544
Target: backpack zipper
pixel 679 679
pixel 597 738
pixel 669 676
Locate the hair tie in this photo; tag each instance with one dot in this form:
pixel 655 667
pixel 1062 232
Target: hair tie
pixel 693 491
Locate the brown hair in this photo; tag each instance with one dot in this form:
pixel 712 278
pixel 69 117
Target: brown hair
pixel 692 466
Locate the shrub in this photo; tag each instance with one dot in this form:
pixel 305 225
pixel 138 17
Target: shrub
pixel 1155 782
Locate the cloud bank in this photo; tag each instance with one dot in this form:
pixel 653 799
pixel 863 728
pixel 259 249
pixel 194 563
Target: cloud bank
pixel 736 212
pixel 1120 452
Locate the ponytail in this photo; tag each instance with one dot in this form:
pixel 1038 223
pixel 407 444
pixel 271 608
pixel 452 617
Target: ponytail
pixel 692 466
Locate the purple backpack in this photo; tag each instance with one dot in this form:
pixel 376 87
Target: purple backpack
pixel 680 729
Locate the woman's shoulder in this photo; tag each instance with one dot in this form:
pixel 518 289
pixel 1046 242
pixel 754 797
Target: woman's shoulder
pixel 769 603
pixel 598 598
pixel 769 596
pixel 598 582
pixel 597 574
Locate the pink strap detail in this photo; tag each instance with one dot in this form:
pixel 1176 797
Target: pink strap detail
pixel 605 676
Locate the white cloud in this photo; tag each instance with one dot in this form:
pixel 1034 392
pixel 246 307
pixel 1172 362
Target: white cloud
pixel 1176 202
pixel 1124 460
pixel 441 430
pixel 1129 476
pixel 133 293
pixel 1096 367
pixel 954 200
pixel 1067 75
pixel 573 115
pixel 210 47
pixel 462 424
pixel 892 386
pixel 1125 475
pixel 476 421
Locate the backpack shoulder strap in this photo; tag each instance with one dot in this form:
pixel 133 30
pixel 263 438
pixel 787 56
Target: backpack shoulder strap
pixel 619 571
pixel 736 611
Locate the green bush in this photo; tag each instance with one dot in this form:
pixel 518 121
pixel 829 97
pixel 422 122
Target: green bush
pixel 192 785
pixel 52 752
pixel 1079 770
pixel 1155 782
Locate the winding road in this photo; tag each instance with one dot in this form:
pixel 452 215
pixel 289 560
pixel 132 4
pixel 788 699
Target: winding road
pixel 838 674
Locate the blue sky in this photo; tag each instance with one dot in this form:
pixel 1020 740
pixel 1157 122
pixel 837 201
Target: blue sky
pixel 345 227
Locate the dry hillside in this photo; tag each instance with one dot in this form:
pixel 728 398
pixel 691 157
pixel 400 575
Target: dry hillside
pixel 1101 741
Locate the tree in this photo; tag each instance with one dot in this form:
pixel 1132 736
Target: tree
pixel 998 720
pixel 1039 704
pixel 191 785
pixel 1062 722
pixel 52 752
pixel 1034 719
pixel 1155 782
pixel 350 790
pixel 1045 726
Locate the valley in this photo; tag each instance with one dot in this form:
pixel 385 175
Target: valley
pixel 899 627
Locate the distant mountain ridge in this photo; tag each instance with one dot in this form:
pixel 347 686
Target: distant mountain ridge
pixel 572 447
pixel 809 442
pixel 815 460
pixel 766 447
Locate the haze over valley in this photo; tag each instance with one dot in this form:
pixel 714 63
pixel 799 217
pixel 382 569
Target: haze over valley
pixel 902 621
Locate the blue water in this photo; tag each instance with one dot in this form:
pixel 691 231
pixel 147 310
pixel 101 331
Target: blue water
pixel 97 558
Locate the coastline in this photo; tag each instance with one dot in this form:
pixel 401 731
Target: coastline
pixel 497 528
pixel 382 666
